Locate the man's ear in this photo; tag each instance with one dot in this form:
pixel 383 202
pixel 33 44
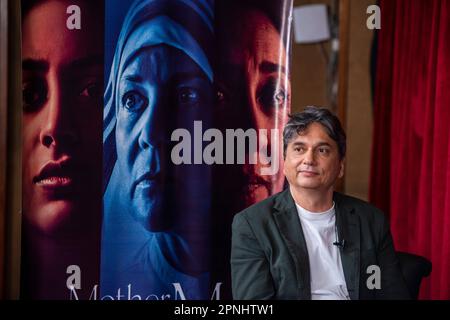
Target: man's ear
pixel 341 169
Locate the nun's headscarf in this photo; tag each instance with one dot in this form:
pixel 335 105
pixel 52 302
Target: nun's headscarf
pixel 183 24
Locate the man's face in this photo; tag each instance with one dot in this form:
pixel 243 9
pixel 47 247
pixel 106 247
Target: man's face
pixel 312 160
pixel 256 93
pixel 62 117
pixel 159 90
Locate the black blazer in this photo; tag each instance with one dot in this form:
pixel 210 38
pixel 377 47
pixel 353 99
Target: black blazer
pixel 269 258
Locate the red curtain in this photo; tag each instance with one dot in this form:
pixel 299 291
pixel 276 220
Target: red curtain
pixel 410 178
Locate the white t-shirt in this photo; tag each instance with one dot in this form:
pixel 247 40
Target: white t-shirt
pixel 327 274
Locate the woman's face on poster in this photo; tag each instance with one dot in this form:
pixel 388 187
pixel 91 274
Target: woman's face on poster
pixel 160 89
pixel 255 89
pixel 62 118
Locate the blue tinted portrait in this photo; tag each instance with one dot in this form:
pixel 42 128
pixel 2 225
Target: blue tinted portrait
pixel 156 213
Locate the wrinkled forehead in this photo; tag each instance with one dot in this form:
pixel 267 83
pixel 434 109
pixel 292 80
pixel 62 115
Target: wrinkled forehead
pixel 158 63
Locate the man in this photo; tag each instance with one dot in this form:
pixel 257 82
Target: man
pixel 309 242
pixel 62 139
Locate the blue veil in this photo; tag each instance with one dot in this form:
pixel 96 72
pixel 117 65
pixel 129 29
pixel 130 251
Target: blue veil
pixel 186 25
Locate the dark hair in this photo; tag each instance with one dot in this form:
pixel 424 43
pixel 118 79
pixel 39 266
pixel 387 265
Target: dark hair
pixel 299 122
pixel 27 5
pixel 279 14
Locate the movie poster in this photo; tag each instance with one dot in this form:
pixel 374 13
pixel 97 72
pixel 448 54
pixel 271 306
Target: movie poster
pixel 155 241
pixel 147 125
pixel 62 89
pixel 253 102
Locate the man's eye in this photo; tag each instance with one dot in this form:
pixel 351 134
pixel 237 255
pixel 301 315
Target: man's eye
pixel 323 150
pixel 93 90
pixel 34 95
pixel 134 101
pixel 188 96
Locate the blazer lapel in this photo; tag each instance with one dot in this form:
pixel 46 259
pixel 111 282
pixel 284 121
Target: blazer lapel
pixel 288 222
pixel 349 234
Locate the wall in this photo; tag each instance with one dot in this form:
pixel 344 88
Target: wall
pixel 309 87
pixel 308 71
pixel 359 102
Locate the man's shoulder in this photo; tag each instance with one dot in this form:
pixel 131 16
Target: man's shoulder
pixel 360 207
pixel 260 211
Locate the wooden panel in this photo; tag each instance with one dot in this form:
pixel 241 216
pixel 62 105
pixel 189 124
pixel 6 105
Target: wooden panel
pixel 3 136
pixel 359 112
pixel 13 198
pixel 309 70
pixel 344 22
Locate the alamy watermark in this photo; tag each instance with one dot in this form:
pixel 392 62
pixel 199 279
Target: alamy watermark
pixel 374 280
pixel 221 147
pixel 374 20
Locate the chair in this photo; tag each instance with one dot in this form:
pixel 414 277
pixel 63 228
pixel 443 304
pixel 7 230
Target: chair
pixel 414 268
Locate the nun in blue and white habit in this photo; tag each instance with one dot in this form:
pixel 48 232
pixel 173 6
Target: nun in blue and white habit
pixel 156 213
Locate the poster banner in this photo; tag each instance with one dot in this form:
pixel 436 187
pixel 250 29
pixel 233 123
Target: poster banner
pixel 62 89
pixel 147 125
pixel 253 103
pixel 155 241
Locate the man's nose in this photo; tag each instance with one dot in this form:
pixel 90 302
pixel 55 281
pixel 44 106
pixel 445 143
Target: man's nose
pixel 309 157
pixel 59 130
